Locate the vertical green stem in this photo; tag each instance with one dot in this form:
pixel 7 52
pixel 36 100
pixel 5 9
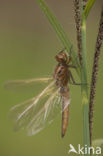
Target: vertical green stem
pixel 84 87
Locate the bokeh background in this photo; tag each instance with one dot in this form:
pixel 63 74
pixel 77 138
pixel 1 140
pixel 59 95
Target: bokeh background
pixel 27 49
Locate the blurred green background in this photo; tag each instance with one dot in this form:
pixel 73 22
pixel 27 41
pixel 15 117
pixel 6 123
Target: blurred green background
pixel 27 49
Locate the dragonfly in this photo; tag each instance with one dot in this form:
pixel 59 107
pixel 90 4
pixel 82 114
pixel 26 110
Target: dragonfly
pixel 39 111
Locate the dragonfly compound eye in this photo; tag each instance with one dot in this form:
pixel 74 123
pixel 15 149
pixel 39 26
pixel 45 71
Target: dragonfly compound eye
pixel 61 57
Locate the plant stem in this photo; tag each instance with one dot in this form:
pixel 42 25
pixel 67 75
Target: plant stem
pixel 84 88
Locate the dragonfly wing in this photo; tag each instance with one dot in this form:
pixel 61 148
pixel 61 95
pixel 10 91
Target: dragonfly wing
pixel 21 113
pixel 46 114
pixel 15 84
pixel 24 112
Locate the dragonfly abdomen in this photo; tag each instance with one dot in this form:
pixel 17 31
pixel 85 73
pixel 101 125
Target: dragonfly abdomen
pixel 65 118
pixel 65 109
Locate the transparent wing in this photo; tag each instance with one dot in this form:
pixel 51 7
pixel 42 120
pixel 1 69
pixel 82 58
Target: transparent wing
pixel 24 112
pixel 15 84
pixel 46 114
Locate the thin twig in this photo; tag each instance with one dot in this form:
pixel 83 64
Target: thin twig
pixel 95 74
pixel 78 26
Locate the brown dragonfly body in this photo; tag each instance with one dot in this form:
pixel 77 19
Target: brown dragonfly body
pixel 62 77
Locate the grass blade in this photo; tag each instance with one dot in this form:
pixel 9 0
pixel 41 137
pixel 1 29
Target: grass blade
pixel 88 7
pixel 55 24
pixel 59 31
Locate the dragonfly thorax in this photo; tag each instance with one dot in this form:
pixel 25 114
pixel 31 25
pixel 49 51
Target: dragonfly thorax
pixel 61 75
pixel 61 70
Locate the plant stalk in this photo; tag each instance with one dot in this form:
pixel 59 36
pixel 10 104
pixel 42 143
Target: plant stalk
pixel 84 87
pixel 95 70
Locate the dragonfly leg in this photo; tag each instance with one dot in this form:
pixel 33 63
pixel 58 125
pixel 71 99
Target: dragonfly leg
pixel 72 81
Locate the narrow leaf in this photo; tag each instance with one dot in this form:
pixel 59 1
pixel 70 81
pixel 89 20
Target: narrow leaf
pixel 59 31
pixel 88 7
pixel 55 24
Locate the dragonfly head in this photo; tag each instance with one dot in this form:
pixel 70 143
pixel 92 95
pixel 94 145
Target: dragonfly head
pixel 62 57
